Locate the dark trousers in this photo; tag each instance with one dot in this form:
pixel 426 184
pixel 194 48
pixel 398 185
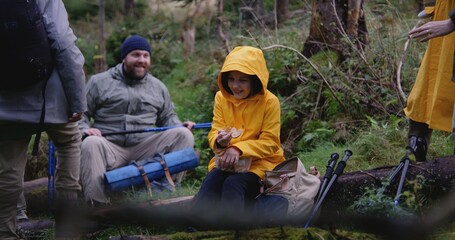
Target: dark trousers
pixel 226 195
pixel 420 130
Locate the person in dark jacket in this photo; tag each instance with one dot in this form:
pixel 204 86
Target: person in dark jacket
pixel 20 112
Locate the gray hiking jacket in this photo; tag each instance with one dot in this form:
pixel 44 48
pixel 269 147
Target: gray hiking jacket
pixel 65 88
pixel 116 103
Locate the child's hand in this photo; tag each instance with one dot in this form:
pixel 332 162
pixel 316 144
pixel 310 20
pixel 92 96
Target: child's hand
pixel 229 157
pixel 224 137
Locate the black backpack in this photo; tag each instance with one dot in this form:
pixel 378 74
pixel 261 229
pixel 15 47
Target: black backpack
pixel 25 52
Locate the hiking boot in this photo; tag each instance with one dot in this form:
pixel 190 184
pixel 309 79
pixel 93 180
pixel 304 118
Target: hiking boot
pixel 96 205
pixel 35 225
pixel 419 147
pixel 421 151
pixel 33 229
pixel 412 143
pixel 21 215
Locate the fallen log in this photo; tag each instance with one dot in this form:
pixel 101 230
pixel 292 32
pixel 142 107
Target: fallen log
pixel 33 185
pixel 439 175
pixel 35 192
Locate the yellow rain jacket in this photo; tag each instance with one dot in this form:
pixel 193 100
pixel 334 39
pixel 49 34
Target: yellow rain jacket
pixel 431 100
pixel 258 116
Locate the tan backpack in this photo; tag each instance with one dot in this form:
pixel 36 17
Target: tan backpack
pixel 290 180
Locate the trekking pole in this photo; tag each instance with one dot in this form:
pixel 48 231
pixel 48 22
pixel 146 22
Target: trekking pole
pixel 328 173
pixel 50 174
pixel 338 171
pixel 403 176
pixel 404 164
pixel 158 129
pixel 409 150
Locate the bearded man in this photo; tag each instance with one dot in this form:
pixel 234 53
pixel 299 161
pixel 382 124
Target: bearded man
pixel 127 98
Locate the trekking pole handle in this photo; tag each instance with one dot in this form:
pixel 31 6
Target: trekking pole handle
pixel 333 158
pixel 331 164
pixel 342 164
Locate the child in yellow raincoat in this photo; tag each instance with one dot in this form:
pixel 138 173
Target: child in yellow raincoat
pixel 431 101
pixel 245 136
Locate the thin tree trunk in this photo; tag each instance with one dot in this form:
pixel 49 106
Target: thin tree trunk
pixel 219 26
pixel 188 38
pixel 282 11
pixel 129 8
pixel 100 61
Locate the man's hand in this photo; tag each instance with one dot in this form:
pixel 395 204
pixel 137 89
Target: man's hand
pixel 93 132
pixel 189 124
pixel 75 117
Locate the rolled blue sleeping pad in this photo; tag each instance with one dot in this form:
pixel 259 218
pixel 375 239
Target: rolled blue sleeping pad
pixel 127 176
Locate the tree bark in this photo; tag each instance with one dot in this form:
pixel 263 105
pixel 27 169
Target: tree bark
pixel 252 12
pixel 219 26
pixel 100 60
pixel 129 7
pixel 282 11
pixel 189 29
pixel 188 38
pixel 332 21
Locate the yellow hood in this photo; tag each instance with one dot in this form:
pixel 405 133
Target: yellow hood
pixel 248 60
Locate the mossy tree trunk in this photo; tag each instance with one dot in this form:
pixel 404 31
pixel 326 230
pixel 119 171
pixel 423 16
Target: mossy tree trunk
pixel 333 22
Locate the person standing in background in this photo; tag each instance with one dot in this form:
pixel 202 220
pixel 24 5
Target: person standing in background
pixel 61 97
pixel 431 101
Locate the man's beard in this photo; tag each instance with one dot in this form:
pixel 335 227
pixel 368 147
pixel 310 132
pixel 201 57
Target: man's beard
pixel 131 74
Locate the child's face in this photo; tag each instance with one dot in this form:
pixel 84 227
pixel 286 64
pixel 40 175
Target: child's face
pixel 239 83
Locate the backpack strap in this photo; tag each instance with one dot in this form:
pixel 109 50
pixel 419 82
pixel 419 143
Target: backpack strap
pixel 166 172
pixel 271 188
pixel 41 122
pixel 157 158
pixel 144 176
